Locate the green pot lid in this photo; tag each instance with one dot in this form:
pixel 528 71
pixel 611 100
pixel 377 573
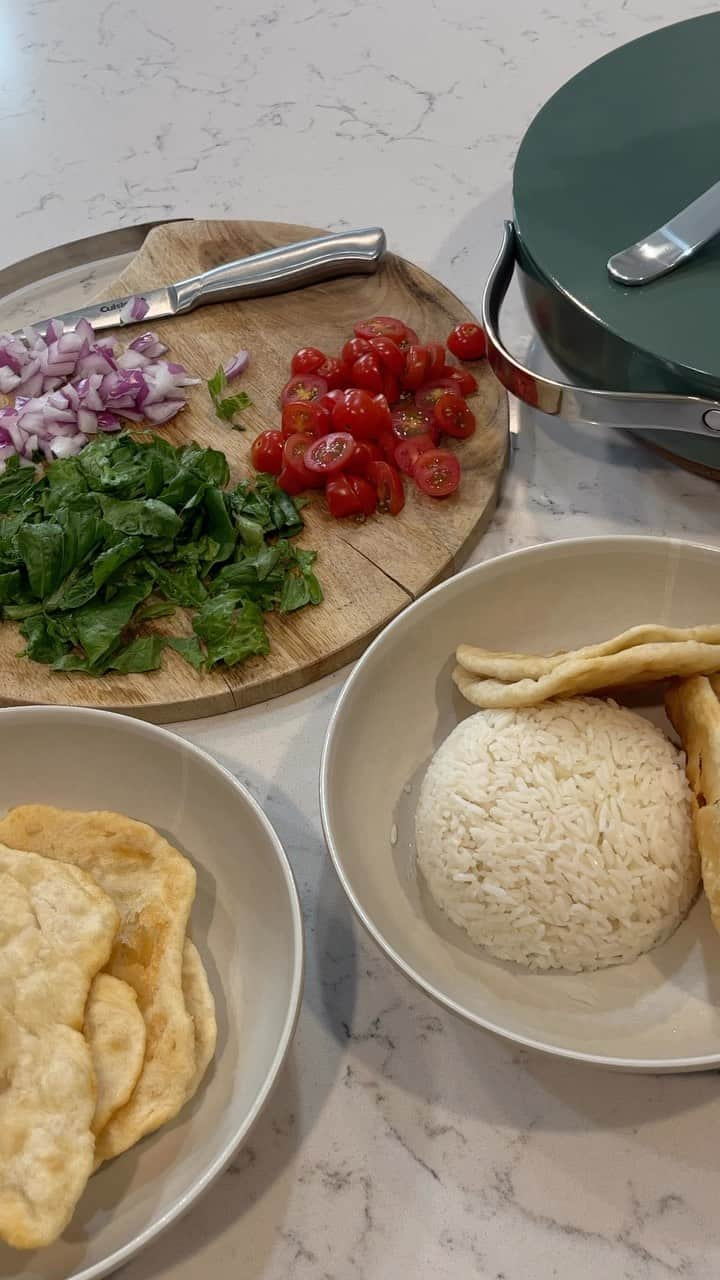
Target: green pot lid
pixel 616 152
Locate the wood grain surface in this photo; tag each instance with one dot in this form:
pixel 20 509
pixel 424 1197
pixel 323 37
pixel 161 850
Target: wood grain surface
pixel 368 571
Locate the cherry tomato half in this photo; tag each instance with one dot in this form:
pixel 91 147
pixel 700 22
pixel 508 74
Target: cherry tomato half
pixel 453 416
pixel 359 413
pixel 384 417
pixel 410 420
pixel 305 416
pixel 387 442
pixel 435 360
pixel 365 452
pixel 303 386
pixel 307 360
pixel 291 482
pixel 415 371
pixel 365 373
pixel 354 348
pixel 294 450
pixel 330 453
pixel 408 451
pixel 410 340
pixel 333 371
pixel 349 495
pixel 381 327
pixel 388 353
pixel 267 452
pixel 429 393
pixel 388 486
pixel 327 402
pixel 437 473
pixel 467 342
pixel 366 494
pixel 466 381
pixel 391 388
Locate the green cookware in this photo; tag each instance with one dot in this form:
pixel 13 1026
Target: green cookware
pixel 618 151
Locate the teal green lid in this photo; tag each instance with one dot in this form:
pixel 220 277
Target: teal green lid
pixel 616 152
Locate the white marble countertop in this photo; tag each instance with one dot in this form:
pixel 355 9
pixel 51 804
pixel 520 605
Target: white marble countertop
pixel 400 1140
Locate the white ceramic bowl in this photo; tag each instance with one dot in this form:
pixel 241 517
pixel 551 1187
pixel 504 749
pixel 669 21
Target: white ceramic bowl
pixel 245 921
pixel 661 1013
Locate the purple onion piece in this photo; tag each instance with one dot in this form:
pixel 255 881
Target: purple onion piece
pixel 237 365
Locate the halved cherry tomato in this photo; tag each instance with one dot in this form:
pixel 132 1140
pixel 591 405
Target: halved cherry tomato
pixel 410 340
pixel 408 451
pixel 267 452
pixel 303 386
pixel 367 497
pixel 466 381
pixel 415 369
pixel 453 416
pixel 435 360
pixel 388 486
pixel 389 354
pixel 429 393
pixel 388 443
pixel 327 402
pixel 467 342
pixel 306 416
pixel 291 482
pixel 437 473
pixel 365 373
pixel 391 388
pixel 410 420
pixel 354 348
pixel 365 452
pixel 349 495
pixel 359 413
pixel 307 360
pixel 383 413
pixel 333 372
pixel 381 327
pixel 294 450
pixel 341 498
pixel 330 453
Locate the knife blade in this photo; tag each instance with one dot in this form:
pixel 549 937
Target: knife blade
pixel 293 266
pixel 104 315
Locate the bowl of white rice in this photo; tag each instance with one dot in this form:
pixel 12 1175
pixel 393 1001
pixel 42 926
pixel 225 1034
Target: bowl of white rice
pixel 534 870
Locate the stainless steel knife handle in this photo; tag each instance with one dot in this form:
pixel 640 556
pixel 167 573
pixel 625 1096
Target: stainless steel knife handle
pixel 291 267
pixel 627 410
pixel 672 244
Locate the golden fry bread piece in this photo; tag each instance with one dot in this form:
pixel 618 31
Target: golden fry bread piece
pixel 153 887
pixel 56 931
pixel 201 1007
pixel 500 680
pixel 115 1031
pixel 694 710
pixel 518 666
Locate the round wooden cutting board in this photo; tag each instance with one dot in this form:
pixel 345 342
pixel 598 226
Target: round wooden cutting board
pixel 370 571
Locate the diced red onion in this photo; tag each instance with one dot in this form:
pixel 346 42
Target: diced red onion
pixel 148 344
pixel 55 416
pixel 237 365
pixel 136 308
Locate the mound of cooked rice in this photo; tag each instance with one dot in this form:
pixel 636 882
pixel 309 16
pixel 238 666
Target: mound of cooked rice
pixel 559 837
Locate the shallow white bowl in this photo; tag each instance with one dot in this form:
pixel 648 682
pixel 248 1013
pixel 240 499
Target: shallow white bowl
pixel 245 921
pixel 661 1013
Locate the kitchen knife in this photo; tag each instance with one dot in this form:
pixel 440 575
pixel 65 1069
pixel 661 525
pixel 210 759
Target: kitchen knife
pixel 274 271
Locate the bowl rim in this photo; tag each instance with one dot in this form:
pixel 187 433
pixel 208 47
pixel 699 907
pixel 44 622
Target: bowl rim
pixel 143 729
pixel 648 1065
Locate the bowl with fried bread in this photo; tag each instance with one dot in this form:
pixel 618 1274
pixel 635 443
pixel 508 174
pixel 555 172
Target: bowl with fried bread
pixel 160 973
pixel 626 628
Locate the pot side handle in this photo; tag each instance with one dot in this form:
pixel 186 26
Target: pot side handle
pixel 627 410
